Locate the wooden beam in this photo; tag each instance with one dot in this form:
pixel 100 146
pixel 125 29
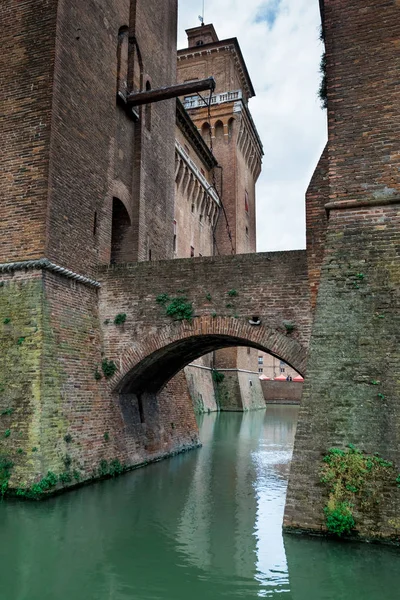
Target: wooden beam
pixel 170 91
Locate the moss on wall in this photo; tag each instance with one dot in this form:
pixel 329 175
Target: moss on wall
pixel 29 383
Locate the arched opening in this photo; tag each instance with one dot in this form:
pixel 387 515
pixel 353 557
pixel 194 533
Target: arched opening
pixel 231 128
pixel 122 59
pixel 206 132
pixel 219 131
pixel 154 371
pixel 120 239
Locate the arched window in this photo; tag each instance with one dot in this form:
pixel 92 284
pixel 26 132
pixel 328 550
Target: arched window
pixel 122 59
pixel 205 132
pixel 219 130
pixel 121 225
pixel 231 125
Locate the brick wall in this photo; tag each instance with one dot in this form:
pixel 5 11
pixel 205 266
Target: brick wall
pixel 27 64
pixel 97 152
pixel 60 417
pixel 363 93
pixel 317 222
pixel 352 386
pixel 272 286
pixel 282 392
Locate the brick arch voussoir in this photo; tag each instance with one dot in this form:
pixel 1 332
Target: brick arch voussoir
pixel 263 337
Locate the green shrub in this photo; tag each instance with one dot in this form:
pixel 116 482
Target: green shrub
pixel 162 298
pixel 289 326
pixel 354 480
pixel 8 411
pixel 6 466
pixel 38 489
pixel 65 477
pixel 339 520
pixel 108 367
pixel 120 319
pixel 180 309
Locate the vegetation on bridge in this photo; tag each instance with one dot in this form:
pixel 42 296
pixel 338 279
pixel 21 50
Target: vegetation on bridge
pixel 178 308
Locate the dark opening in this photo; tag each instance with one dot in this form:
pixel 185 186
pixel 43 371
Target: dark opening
pixel 95 223
pixel 121 224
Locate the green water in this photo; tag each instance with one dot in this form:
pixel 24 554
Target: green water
pixel 203 525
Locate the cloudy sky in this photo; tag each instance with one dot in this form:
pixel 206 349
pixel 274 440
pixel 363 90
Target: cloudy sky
pixel 280 43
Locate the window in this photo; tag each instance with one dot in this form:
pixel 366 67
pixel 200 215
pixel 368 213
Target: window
pixel 174 241
pixel 199 43
pixel 261 370
pixel 260 360
pixel 247 231
pixel 248 350
pixel 193 208
pixel 120 239
pixel 95 223
pixel 201 219
pixel 282 369
pixel 246 201
pixel 191 252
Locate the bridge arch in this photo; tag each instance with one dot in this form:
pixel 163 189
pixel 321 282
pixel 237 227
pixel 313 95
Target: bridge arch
pixel 149 364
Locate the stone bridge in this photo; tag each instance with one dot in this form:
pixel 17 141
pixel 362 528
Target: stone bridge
pixel 257 300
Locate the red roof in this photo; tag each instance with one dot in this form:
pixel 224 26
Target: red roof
pixel 299 378
pixel 280 378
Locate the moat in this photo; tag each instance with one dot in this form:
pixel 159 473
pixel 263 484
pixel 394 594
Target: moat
pixel 202 525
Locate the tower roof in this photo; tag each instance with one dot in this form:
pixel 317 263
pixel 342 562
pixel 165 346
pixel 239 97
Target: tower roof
pixel 198 36
pixel 204 39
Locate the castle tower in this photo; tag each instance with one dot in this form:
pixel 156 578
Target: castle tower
pixel 228 129
pixel 80 186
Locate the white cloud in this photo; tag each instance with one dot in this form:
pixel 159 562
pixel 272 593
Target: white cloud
pixel 282 52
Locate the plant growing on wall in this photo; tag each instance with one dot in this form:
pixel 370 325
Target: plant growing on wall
pixel 289 326
pixel 120 319
pixel 6 466
pixel 355 482
pixel 108 367
pixel 217 376
pixel 178 308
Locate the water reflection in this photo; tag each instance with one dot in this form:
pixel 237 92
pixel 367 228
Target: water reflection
pixel 206 524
